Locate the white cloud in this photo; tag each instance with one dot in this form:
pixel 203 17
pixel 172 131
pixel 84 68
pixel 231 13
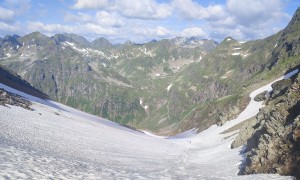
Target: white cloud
pixel 18 6
pixel 49 28
pixel 194 31
pixel 145 9
pixel 87 29
pixel 109 19
pixel 8 25
pixel 249 19
pixel 6 15
pixel 96 29
pixel 144 20
pixel 252 12
pixel 79 17
pixel 8 28
pixel 151 32
pixel 90 4
pixel 192 10
pixel 102 18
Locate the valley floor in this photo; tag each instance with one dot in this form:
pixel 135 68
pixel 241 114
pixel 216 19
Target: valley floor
pixel 56 141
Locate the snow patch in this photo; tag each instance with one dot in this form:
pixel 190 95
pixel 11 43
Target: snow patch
pixel 104 65
pixel 142 104
pixel 169 87
pixel 153 135
pixel 200 58
pixel 85 51
pixel 141 101
pixel 238 48
pixel 245 55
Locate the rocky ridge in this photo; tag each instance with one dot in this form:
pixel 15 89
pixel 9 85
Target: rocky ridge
pixel 272 139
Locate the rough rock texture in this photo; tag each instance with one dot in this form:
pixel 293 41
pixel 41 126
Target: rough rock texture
pixel 13 80
pixel 246 132
pixel 261 96
pixel 280 87
pixel 12 99
pixel 274 146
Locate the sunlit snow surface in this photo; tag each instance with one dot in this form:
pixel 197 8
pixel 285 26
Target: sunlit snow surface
pixel 56 141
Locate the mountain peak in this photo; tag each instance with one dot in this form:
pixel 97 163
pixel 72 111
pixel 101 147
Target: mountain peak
pixel 71 37
pixel 294 24
pixel 101 43
pixel 8 37
pixel 128 43
pixel 229 38
pixel 36 35
pixel 35 38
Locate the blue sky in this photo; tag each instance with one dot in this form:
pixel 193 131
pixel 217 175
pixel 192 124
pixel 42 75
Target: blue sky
pixel 145 20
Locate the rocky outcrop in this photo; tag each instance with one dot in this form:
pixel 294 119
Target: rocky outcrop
pixel 280 87
pixel 7 98
pixel 246 132
pixel 261 96
pixel 274 142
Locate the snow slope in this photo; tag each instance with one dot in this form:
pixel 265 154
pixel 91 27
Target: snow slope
pixel 56 141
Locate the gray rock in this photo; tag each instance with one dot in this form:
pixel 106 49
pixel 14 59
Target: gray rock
pixel 261 96
pixel 273 146
pixel 280 87
pixel 245 133
pixel 13 99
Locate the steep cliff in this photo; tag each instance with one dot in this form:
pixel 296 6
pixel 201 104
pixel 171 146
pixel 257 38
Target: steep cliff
pixel 272 139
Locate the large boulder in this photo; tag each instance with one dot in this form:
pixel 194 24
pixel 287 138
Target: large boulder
pixel 280 87
pixel 261 96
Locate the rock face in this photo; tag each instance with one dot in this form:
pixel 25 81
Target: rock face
pixel 13 80
pixel 274 143
pixel 246 132
pixel 12 99
pixel 261 96
pixel 280 87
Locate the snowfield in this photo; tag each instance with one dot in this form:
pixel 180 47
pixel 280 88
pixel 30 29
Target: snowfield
pixel 56 141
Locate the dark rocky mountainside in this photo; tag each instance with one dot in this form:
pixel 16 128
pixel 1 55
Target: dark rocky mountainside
pixel 13 80
pixel 273 138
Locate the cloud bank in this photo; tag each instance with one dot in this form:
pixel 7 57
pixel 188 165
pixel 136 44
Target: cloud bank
pixel 142 21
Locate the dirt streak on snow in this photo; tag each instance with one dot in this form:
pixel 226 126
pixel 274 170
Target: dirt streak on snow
pixel 56 141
